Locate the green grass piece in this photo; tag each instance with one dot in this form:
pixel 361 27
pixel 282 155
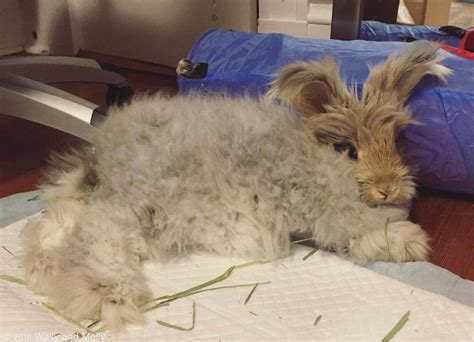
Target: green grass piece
pixel 303 240
pixel 165 300
pixel 16 280
pixel 310 253
pixel 247 264
pixel 12 279
pixel 317 319
pixel 66 318
pixel 172 326
pixel 386 238
pixel 37 197
pixel 197 288
pixel 8 251
pixel 185 293
pixel 156 306
pixel 93 324
pixel 250 294
pixel 232 286
pixel 397 327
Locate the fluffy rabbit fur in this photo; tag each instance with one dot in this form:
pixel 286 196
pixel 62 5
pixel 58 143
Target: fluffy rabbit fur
pixel 169 176
pixel 366 128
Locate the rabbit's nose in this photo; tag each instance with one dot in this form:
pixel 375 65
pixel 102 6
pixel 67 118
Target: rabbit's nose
pixel 383 194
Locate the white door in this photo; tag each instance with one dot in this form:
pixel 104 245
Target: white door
pixel 11 31
pixel 158 31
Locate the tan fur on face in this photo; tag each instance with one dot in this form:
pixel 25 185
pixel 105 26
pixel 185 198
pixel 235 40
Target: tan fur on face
pixel 380 171
pixel 372 124
pixel 372 130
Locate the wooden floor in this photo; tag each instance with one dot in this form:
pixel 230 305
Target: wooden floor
pixel 25 146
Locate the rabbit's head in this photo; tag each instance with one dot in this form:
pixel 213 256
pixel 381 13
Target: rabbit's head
pixel 366 128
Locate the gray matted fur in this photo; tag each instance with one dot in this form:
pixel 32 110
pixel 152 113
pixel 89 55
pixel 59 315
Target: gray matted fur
pixel 170 176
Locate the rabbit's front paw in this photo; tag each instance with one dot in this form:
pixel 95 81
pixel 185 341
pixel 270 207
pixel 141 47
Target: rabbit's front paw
pixel 399 241
pixel 40 260
pixel 114 299
pixel 407 242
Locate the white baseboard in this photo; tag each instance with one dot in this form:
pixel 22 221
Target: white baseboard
pixel 8 50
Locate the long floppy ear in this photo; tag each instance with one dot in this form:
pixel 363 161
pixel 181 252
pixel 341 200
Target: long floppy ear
pixel 309 86
pixel 399 74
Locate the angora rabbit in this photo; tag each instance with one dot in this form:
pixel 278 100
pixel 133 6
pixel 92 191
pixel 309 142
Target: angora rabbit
pixel 233 176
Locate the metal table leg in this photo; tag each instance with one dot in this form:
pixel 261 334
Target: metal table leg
pixel 35 101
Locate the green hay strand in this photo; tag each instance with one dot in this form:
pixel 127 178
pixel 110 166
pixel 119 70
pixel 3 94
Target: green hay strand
pixel 68 319
pixel 185 293
pixel 197 288
pixel 250 294
pixel 93 324
pixel 156 306
pixel 8 251
pixel 12 279
pixel 310 253
pixel 232 286
pixel 172 326
pixel 303 240
pixel 397 327
pixel 165 300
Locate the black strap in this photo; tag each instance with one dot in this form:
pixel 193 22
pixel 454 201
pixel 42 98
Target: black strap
pixel 453 31
pixel 189 69
pixel 407 39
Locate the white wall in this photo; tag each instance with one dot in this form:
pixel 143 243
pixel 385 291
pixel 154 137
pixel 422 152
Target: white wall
pixel 299 18
pixel 239 15
pixel 11 29
pixel 159 31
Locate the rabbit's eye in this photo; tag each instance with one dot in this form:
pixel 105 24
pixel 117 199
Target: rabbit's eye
pixel 340 147
pixel 347 148
pixel 352 153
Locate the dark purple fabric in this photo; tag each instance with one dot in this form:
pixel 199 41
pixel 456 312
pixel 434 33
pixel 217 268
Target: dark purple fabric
pixel 443 145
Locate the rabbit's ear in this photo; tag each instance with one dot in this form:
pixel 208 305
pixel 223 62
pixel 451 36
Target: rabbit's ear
pixel 399 74
pixel 310 86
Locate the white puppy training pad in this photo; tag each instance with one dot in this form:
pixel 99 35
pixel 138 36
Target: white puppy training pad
pixel 355 303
